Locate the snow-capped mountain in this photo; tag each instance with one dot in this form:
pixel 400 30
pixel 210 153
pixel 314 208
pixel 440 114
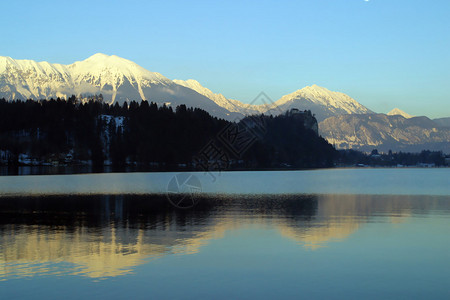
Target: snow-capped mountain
pixel 400 112
pixel 118 79
pixel 322 102
pixel 230 104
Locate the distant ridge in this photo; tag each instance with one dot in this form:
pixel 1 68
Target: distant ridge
pixel 399 112
pixel 384 132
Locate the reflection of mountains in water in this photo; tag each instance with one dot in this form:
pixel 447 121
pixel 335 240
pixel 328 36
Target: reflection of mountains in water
pixel 103 236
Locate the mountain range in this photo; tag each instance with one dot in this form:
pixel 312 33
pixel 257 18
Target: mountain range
pixel 343 121
pixel 120 80
pixel 117 79
pixel 385 132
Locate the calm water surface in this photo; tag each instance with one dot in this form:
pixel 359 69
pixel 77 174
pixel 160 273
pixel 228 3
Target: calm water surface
pixel 382 234
pixel 414 181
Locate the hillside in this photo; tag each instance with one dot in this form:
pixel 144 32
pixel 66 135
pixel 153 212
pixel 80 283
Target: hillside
pixel 396 133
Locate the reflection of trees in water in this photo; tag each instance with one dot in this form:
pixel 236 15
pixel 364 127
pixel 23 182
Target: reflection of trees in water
pixel 109 235
pixel 146 211
pixel 100 235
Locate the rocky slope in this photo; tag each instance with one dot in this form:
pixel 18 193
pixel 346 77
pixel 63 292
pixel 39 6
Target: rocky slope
pixel 396 133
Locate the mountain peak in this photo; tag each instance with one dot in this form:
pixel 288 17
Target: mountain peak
pixel 104 59
pixel 101 57
pixel 400 112
pixel 315 87
pixel 112 68
pixel 98 55
pixel 323 102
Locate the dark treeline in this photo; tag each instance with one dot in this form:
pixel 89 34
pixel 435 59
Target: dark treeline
pixel 92 132
pixel 292 141
pixel 390 159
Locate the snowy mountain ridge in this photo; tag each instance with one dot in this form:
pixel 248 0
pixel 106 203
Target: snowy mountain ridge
pixel 121 80
pixel 117 79
pixel 323 96
pixel 323 102
pixel 102 71
pixel 230 104
pixel 99 73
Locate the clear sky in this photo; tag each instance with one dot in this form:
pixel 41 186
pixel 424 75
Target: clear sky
pixel 383 53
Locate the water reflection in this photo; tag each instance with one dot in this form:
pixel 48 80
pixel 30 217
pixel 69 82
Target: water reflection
pixel 107 236
pixel 64 169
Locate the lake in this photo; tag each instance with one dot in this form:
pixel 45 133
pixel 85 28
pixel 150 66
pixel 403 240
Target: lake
pixel 318 234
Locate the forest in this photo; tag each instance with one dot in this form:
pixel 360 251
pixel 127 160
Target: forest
pixel 68 132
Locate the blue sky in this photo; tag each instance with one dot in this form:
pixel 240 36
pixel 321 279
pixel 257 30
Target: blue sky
pixel 383 53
